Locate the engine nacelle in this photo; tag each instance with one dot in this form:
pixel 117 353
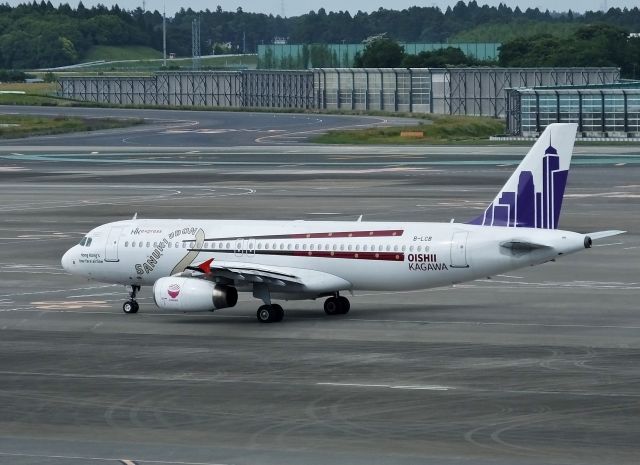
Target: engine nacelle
pixel 192 294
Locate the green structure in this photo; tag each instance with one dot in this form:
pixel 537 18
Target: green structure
pixel 298 56
pixel 609 110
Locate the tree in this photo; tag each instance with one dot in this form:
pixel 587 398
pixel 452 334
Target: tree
pixel 450 56
pixel 380 53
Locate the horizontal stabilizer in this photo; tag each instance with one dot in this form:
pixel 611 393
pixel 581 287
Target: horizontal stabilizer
pixel 523 246
pixel 602 234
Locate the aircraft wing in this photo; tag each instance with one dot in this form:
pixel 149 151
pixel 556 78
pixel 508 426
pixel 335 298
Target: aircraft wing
pixel 286 278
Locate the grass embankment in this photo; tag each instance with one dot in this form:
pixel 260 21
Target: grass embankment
pixel 129 52
pixel 17 126
pixel 437 130
pixel 37 93
pixel 154 63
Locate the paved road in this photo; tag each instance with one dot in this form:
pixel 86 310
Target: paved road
pixel 179 128
pixel 537 366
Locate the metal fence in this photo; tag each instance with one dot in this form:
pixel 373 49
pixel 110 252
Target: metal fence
pixel 233 89
pixel 304 56
pixel 456 91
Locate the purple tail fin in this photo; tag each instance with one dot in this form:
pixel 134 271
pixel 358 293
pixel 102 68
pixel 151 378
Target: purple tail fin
pixel 532 197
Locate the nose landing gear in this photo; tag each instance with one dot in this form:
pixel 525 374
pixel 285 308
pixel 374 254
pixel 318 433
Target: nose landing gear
pixel 131 305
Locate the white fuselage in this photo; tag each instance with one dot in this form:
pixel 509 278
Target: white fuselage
pixel 362 255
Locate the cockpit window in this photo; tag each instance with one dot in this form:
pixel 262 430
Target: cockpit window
pixel 88 242
pixel 83 241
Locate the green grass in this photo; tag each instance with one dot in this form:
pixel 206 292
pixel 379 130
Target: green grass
pixel 155 64
pixel 438 130
pixel 128 52
pixel 17 126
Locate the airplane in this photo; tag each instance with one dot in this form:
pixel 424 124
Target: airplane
pixel 201 265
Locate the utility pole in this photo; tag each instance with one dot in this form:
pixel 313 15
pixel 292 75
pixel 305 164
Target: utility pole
pixel 244 42
pixel 195 43
pixel 164 34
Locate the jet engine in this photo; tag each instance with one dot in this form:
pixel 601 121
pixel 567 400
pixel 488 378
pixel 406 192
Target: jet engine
pixel 192 294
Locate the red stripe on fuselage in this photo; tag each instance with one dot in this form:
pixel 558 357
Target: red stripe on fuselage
pixel 322 235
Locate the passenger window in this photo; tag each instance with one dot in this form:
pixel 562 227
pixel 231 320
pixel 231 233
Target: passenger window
pixel 168 245
pixel 126 244
pixel 140 244
pixel 266 247
pixel 335 246
pixel 311 247
pixel 297 246
pixel 357 248
pixel 395 248
pixel 155 244
pixel 133 244
pixel 148 245
pixel 341 246
pixel 404 248
pixel 259 245
pixel 289 246
pixel 411 249
pixel 419 248
pixel 304 246
pixel 388 248
pixel 349 248
pixel 282 246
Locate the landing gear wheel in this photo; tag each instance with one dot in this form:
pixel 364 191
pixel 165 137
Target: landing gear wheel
pixel 337 306
pixel 331 306
pixel 344 305
pixel 130 306
pixel 270 313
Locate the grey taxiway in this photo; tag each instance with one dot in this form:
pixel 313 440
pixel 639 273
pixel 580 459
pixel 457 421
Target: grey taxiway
pixel 535 367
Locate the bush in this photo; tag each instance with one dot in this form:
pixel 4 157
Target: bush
pixel 12 76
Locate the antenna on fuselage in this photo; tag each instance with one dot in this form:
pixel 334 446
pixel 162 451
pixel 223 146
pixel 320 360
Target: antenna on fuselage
pixel 135 216
pixel 359 219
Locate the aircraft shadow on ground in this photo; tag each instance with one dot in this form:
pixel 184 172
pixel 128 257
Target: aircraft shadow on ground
pixel 398 312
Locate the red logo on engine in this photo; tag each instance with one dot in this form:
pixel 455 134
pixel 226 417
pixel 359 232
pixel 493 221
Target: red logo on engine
pixel 174 290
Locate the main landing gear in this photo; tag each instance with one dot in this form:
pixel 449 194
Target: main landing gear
pixel 131 306
pixel 337 305
pixel 270 313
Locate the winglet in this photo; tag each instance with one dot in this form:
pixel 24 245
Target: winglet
pixel 206 266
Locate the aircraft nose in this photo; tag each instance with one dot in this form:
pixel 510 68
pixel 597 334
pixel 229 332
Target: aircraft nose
pixel 67 260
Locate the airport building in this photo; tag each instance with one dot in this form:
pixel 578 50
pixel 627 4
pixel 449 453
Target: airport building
pixel 609 110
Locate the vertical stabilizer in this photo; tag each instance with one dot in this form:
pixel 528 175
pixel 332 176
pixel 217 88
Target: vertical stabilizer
pixel 532 197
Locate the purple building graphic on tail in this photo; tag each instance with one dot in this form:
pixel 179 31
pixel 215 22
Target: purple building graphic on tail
pixel 532 206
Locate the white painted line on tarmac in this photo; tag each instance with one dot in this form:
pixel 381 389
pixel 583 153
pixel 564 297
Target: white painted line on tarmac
pixel 611 243
pixel 103 459
pixel 432 387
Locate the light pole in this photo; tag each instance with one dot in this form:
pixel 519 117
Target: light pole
pixel 164 33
